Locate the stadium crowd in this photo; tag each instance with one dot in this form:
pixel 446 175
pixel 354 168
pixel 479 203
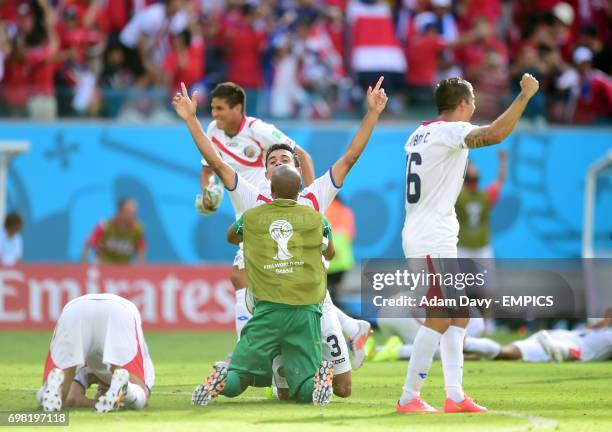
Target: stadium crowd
pixel 302 58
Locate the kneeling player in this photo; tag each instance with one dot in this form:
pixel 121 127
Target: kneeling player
pixel 97 338
pixel 283 242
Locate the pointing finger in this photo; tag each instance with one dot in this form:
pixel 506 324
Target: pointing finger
pixel 379 83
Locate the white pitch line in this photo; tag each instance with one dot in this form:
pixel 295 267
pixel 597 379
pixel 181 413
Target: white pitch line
pixel 535 422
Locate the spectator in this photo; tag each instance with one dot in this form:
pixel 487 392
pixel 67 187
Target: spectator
pixel 424 50
pixel 470 11
pixel 216 68
pixel 78 72
pixel 375 50
pixel 116 78
pixel 146 38
pixel 288 97
pixel 471 54
pixel 11 244
pixel 119 240
pixel 322 71
pixel 114 15
pixel 41 55
pixel 561 25
pixel 490 79
pixel 5 47
pixel 342 221
pixel 185 63
pixel 245 43
pixel 602 53
pixel 528 61
pixel 16 81
pixel 590 90
pixel 445 21
pixel 447 28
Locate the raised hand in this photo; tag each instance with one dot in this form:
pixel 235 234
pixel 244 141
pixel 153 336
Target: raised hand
pixel 184 106
pixel 377 99
pixel 529 85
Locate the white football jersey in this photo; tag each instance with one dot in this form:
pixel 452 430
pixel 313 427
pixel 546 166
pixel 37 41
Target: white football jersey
pixel 96 330
pixel 246 151
pixel 595 345
pixel 317 196
pixel 436 160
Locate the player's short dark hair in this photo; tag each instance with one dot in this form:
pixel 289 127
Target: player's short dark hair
pixel 122 202
pixel 231 93
pixel 13 219
pixel 282 146
pixel 450 92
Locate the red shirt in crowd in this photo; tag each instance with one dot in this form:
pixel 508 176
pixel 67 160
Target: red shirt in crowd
pixel 595 99
pixel 489 9
pixel 244 48
pixel 473 54
pixel 8 10
pixel 188 66
pixel 15 83
pixel 423 53
pixel 41 71
pixel 79 39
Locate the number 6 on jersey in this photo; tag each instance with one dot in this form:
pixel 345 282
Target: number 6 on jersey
pixel 413 181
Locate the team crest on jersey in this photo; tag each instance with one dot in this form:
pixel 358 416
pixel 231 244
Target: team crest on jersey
pixel 250 151
pixel 281 231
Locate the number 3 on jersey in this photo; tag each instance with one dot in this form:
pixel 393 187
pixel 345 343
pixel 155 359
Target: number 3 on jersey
pixel 413 181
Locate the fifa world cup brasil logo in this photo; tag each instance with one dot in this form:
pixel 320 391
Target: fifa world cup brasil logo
pixel 281 231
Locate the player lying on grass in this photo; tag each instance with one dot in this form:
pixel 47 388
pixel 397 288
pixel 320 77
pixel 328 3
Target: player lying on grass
pixel 97 338
pixel 399 334
pixel 318 196
pixel 283 243
pixel 548 345
pixel 436 158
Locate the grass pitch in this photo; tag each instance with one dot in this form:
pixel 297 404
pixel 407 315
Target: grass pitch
pixel 567 397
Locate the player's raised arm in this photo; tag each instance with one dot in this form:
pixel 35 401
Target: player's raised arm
pixel 186 110
pixel 377 100
pixel 497 131
pixel 306 164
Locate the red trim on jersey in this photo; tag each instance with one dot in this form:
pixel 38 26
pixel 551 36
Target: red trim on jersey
pixel 434 289
pixel 256 163
pixel 427 123
pixel 311 196
pixel 261 150
pixel 242 123
pixel 260 197
pixel 49 366
pixel 136 365
pixel 252 121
